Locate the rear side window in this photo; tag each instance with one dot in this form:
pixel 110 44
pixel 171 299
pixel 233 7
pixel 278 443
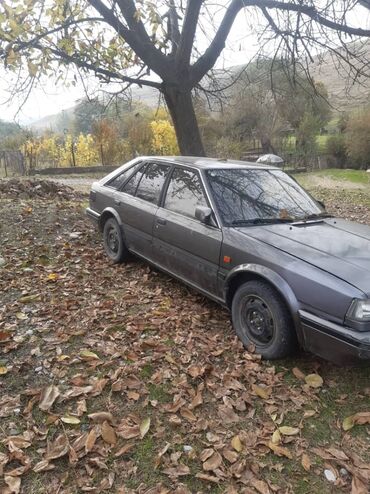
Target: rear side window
pixel 184 192
pixel 119 180
pixel 152 182
pixel 131 186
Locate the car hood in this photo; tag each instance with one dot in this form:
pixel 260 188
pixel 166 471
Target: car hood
pixel 336 246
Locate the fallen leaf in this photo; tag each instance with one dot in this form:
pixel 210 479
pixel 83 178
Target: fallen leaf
pixel 26 299
pixel 125 449
pixel 91 439
pixel 14 483
pixel 348 423
pixel 261 486
pixel 100 417
pixel 279 450
pixel 21 316
pixel 3 370
pixel 306 462
pixel 57 448
pixel 188 414
pixel 196 401
pixel 358 486
pixel 213 462
pixel 236 444
pixel 337 453
pixel 48 396
pixel 144 427
pixel 177 471
pixel 53 276
pixel 288 431
pixel 298 373
pixel 314 380
pixel 87 355
pixel 276 437
pixel 69 419
pixel 43 466
pixel 108 433
pixel 359 418
pixel 263 393
pixel 208 478
pixel 230 455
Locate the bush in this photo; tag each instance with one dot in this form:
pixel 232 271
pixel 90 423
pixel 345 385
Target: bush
pixel 337 150
pixel 358 139
pixel 229 148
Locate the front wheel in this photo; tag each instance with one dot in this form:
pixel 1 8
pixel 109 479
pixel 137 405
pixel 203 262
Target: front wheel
pixel 114 244
pixel 260 317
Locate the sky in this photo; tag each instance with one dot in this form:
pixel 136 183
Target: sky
pixel 50 98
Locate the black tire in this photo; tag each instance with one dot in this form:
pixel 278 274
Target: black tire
pixel 261 317
pixel 114 244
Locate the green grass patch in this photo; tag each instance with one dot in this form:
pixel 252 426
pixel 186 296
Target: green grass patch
pixel 159 392
pixel 337 174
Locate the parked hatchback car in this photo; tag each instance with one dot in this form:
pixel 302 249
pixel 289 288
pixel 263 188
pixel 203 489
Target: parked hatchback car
pixel 250 238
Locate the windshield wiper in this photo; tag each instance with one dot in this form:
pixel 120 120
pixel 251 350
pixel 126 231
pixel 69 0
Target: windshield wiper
pixel 261 221
pixel 315 216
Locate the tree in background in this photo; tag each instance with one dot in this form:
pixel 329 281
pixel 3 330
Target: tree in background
pixel 105 134
pixel 357 139
pixel 111 38
pixel 164 138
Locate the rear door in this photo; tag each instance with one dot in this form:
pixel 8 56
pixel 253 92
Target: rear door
pixel 137 203
pixel 181 243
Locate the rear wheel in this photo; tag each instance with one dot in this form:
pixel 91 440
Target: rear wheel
pixel 114 244
pixel 261 317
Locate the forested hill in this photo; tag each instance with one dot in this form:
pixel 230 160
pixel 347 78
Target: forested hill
pixel 344 95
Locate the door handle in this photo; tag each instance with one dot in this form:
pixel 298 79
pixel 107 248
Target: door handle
pixel 161 221
pixel 118 202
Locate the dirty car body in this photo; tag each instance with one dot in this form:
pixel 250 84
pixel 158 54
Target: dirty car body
pixel 250 238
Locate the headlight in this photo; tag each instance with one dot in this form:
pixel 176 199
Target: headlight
pixel 359 310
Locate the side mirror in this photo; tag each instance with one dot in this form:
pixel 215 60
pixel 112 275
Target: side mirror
pixel 203 214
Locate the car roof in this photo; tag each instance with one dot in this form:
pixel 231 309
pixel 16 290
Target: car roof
pixel 209 163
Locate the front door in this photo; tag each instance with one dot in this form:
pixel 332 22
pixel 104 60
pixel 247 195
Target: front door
pixel 182 244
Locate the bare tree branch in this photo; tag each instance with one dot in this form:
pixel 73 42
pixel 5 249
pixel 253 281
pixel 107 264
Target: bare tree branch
pixel 188 32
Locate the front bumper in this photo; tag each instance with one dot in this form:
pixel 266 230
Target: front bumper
pixel 334 342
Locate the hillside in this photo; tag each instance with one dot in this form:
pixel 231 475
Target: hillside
pixel 344 94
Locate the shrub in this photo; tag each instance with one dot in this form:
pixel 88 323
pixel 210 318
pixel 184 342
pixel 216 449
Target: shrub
pixel 337 150
pixel 358 139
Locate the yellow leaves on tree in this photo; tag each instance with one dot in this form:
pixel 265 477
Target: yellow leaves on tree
pixel 164 138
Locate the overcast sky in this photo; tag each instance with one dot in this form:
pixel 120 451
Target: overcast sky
pixel 51 98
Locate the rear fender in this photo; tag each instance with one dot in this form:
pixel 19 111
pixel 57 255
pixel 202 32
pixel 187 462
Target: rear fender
pixel 109 213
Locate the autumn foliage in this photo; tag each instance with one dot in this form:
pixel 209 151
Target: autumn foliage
pixel 107 144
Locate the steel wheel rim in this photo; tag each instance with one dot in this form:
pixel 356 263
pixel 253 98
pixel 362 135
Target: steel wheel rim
pixel 257 320
pixel 113 240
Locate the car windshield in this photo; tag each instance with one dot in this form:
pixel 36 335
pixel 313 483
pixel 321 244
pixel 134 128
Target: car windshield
pixel 251 196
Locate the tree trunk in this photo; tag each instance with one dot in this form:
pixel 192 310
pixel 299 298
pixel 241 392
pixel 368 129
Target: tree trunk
pixel 180 106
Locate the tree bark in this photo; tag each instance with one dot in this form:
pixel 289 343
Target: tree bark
pixel 181 108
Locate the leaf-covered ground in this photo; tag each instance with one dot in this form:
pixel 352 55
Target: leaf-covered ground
pixel 119 379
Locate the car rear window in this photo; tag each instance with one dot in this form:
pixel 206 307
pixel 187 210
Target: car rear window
pixel 119 180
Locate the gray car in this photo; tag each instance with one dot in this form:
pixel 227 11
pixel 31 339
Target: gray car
pixel 250 238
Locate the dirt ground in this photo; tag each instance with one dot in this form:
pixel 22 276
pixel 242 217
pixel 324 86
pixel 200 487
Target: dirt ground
pixel 119 379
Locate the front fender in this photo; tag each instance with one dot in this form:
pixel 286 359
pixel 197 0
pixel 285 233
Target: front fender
pixel 275 280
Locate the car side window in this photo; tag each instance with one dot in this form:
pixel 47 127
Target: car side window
pixel 184 192
pixel 119 180
pixel 131 186
pixel 151 184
